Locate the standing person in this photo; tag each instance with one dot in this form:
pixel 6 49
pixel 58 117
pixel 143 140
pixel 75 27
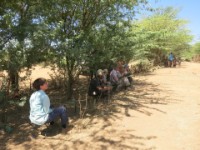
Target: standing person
pixel 171 60
pixel 40 110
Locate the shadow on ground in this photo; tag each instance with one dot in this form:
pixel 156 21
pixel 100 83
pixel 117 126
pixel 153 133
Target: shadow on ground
pixel 142 99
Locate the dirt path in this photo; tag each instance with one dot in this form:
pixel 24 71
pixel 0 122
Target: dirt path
pixel 171 121
pixel 162 113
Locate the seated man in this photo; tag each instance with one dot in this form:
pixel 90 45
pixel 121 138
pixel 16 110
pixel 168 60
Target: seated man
pixel 106 77
pixel 118 79
pixel 127 73
pixel 98 87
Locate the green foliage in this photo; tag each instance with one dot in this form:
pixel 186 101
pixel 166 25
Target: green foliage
pixel 77 34
pixel 196 48
pixel 107 45
pixel 192 53
pixel 141 65
pixel 19 102
pixel 20 43
pixel 84 33
pixel 159 34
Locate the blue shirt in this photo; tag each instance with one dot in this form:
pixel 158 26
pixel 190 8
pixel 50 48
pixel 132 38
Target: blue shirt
pixel 171 57
pixel 39 107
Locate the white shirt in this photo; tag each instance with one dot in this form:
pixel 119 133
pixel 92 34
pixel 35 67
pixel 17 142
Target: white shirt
pixel 39 107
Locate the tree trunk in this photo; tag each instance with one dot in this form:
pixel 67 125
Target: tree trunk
pixel 70 84
pixel 3 104
pixel 14 79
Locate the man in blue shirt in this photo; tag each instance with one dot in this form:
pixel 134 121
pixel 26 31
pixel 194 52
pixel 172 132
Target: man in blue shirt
pixel 40 111
pixel 171 60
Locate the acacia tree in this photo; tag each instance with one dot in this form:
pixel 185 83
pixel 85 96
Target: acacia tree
pixel 62 28
pixel 193 53
pixel 159 34
pixel 20 40
pixel 196 48
pixel 70 25
pixel 107 45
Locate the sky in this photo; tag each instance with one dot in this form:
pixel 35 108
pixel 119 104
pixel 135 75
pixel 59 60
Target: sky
pixel 189 10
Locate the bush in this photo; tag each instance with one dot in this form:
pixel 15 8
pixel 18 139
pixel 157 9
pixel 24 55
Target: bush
pixel 141 66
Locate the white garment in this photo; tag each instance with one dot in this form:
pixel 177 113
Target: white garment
pixel 114 76
pixel 39 107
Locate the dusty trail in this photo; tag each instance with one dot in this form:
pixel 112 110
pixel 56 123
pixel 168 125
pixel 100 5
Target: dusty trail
pixel 162 113
pixel 176 125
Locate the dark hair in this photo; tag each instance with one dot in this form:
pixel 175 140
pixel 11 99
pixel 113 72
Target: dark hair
pixel 38 82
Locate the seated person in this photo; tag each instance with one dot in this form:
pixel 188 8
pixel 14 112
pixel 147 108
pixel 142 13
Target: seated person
pixel 116 78
pixel 127 73
pixel 98 87
pixel 40 110
pixel 119 78
pixel 106 77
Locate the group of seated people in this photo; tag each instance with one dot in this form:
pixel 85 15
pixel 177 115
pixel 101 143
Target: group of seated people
pixel 104 82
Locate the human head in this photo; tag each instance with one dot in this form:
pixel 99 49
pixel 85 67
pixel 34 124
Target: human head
pixel 105 71
pixel 99 73
pixel 39 84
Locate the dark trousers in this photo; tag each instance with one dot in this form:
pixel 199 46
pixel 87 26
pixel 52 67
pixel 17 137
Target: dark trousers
pixel 58 112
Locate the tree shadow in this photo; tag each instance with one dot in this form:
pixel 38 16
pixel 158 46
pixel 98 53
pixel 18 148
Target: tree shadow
pixel 142 100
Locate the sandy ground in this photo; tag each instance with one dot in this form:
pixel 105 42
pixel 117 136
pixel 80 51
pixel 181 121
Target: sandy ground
pixel 162 113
